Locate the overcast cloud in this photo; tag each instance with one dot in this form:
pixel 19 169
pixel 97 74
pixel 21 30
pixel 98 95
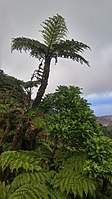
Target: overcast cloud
pixel 88 21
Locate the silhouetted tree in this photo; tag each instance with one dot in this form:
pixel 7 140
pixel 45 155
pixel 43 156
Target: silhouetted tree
pixel 55 45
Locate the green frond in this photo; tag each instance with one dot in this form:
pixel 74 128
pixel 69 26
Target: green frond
pixel 34 184
pixel 17 160
pixel 31 185
pixel 71 178
pixel 29 177
pixel 56 194
pixel 85 186
pixel 75 163
pixel 70 49
pixel 43 151
pixel 30 191
pixel 24 184
pixel 71 45
pixel 34 47
pixel 69 181
pixel 3 190
pixel 78 184
pixel 54 29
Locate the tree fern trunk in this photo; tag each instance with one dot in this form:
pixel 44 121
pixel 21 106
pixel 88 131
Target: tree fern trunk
pixel 44 83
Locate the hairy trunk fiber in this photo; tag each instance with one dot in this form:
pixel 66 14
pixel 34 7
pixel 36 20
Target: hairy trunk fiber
pixel 44 83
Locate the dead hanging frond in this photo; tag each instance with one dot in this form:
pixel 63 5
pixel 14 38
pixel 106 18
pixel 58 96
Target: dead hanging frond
pixel 38 73
pixel 35 81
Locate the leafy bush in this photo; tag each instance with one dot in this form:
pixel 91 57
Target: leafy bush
pixel 69 117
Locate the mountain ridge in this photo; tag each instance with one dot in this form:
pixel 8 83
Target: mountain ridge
pixel 105 120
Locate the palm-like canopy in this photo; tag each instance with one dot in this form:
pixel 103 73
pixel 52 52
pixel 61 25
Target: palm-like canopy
pixel 54 45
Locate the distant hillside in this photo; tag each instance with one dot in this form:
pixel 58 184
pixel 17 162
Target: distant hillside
pixel 105 120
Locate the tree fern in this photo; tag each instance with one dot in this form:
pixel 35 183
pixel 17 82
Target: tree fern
pixel 53 31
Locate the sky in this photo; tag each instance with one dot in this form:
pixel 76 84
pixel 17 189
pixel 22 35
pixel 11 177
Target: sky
pixel 88 21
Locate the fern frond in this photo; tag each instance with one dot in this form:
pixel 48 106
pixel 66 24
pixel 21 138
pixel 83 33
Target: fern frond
pixel 54 29
pixel 29 185
pixel 75 163
pixel 44 151
pixel 30 191
pixel 85 186
pixel 91 187
pixel 70 49
pixel 17 160
pixel 34 47
pixel 57 194
pixel 69 182
pixel 3 190
pixel 78 184
pixel 29 178
pixel 72 179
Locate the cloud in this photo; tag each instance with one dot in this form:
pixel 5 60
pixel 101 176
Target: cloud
pixel 87 21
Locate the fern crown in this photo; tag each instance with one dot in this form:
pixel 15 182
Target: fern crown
pixel 54 33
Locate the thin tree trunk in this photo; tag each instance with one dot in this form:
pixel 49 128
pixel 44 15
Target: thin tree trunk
pixel 44 83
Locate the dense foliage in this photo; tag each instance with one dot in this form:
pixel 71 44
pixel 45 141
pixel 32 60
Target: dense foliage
pixel 55 152
pixel 69 116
